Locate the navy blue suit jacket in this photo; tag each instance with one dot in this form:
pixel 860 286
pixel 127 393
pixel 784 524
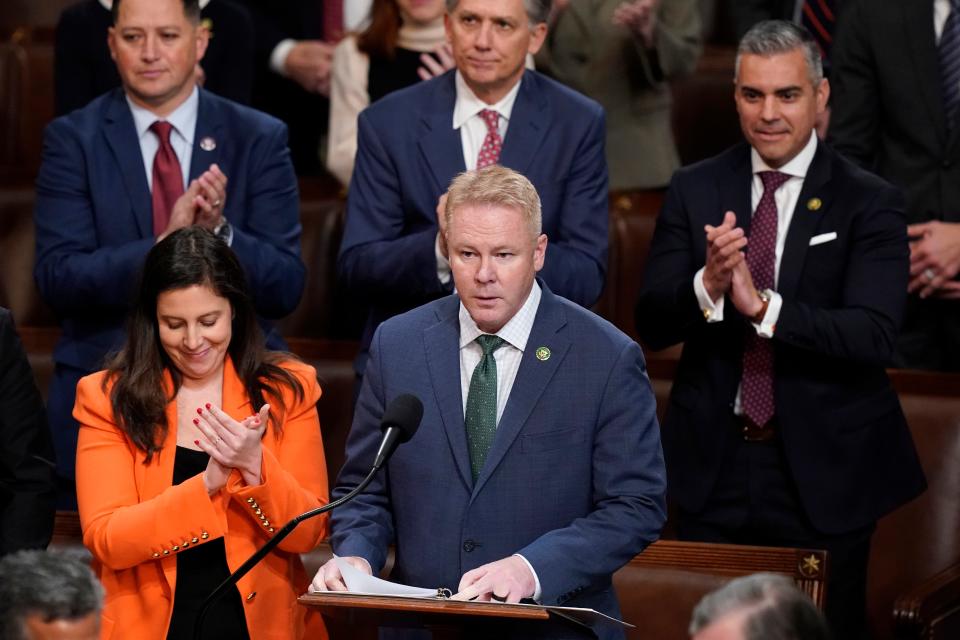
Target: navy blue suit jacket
pixel 94 222
pixel 574 480
pixel 407 154
pixel 845 436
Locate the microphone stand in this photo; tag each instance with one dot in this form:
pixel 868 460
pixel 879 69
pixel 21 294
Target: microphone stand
pixel 277 538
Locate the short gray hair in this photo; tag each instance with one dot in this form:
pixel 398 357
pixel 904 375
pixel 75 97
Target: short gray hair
pixel 773 37
pixel 495 186
pixel 56 585
pixel 537 10
pixel 775 609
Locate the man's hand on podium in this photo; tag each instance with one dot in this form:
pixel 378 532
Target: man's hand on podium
pixel 508 580
pixel 328 576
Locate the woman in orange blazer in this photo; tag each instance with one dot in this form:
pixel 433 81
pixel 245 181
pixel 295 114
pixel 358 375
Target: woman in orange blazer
pixel 194 445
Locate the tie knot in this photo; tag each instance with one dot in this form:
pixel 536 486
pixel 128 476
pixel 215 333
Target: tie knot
pixel 489 343
pixel 772 180
pixel 162 129
pixel 491 118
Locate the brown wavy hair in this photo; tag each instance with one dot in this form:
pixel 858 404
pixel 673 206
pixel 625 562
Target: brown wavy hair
pixel 188 257
pixel 379 39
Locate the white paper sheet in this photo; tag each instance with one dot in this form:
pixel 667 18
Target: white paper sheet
pixel 359 582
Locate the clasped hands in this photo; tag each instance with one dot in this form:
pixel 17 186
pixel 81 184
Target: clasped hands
pixel 507 580
pixel 230 445
pixel 726 271
pixel 202 203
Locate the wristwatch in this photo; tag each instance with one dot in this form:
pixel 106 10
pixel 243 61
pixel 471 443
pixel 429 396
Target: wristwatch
pixel 765 299
pixel 222 230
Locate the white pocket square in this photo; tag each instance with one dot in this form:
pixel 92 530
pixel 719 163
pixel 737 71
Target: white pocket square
pixel 823 237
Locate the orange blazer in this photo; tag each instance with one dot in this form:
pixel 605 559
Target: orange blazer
pixel 135 523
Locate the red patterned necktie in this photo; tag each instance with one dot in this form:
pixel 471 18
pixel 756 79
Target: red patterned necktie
pixel 819 16
pixel 757 384
pixel 167 177
pixel 490 151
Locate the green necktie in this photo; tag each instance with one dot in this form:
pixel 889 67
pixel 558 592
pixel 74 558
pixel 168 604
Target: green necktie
pixel 481 414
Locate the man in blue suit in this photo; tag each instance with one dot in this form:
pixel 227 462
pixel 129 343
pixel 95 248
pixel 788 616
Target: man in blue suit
pixel 782 267
pixel 110 185
pixel 490 110
pixel 539 481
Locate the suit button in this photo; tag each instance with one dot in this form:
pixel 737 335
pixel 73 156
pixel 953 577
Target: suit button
pixel 251 596
pixel 156 555
pixel 204 535
pixel 194 540
pixel 469 546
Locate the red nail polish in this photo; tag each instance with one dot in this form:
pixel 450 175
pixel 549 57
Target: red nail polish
pixel 196 421
pixel 199 410
pixel 208 406
pixel 196 442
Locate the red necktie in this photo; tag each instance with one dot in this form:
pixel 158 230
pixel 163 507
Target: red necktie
pixel 819 16
pixel 332 20
pixel 757 384
pixel 167 178
pixel 490 151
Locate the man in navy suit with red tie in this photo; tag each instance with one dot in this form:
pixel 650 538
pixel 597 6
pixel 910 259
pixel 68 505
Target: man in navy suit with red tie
pixel 782 267
pixel 490 110
pixel 138 163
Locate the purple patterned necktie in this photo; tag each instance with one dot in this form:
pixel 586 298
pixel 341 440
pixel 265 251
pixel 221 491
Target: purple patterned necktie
pixel 757 383
pixel 490 151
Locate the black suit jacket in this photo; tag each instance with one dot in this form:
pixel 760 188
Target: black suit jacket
pixel 746 13
pixel 888 116
pixel 304 112
pixel 26 450
pixel 83 68
pixel 846 440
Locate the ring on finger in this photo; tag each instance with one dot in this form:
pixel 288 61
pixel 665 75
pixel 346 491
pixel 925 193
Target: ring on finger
pixel 929 274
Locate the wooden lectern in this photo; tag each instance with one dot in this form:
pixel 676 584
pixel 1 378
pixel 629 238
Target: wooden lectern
pixel 350 615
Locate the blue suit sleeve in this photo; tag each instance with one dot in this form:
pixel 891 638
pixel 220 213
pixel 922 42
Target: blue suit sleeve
pixel 364 526
pixel 576 260
pixel 267 241
pixel 74 269
pixel 382 257
pixel 629 491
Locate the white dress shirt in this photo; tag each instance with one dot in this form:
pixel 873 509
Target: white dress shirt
pixel 184 121
pixel 508 357
pixel 786 198
pixel 473 130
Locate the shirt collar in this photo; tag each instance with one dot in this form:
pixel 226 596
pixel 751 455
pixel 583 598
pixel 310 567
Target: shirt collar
pixel 469 105
pixel 516 331
pixel 796 167
pixel 183 118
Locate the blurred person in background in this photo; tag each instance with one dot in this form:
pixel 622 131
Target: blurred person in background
pixel 403 43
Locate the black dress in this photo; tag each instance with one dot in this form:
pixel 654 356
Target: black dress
pixel 388 75
pixel 199 571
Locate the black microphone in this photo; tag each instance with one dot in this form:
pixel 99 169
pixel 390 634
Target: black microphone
pixel 400 421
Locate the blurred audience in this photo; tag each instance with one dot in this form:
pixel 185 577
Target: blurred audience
pixel 404 43
pixel 491 110
pixel 623 55
pixel 763 606
pixel 896 88
pixel 819 17
pixel 83 69
pixel 195 444
pixel 133 166
pixel 49 595
pixel 294 55
pixel 26 451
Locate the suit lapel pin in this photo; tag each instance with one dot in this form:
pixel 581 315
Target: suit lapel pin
pixel 208 144
pixel 814 204
pixel 543 353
